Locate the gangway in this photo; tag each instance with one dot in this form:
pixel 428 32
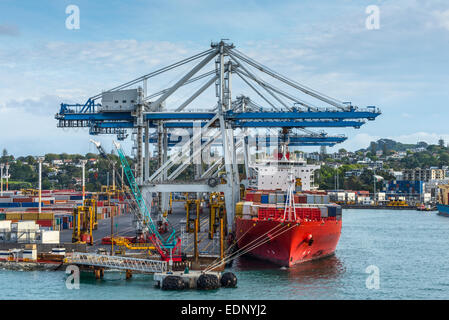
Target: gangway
pixel 116 262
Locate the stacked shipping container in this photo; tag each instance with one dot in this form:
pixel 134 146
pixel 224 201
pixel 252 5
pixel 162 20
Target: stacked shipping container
pixel 313 205
pixel 56 207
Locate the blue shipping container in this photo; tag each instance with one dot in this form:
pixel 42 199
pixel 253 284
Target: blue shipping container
pixel 264 198
pixel 10 205
pixel 31 204
pixel 332 212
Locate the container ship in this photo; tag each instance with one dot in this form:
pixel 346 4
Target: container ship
pixel 443 201
pixel 283 220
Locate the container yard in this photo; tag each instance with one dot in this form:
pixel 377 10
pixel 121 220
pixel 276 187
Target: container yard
pixel 56 207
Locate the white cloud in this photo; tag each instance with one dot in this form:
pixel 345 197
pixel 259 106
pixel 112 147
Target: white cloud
pixel 442 19
pixel 79 70
pixel 429 137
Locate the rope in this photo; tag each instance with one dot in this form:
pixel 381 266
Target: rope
pixel 235 242
pixel 249 244
pixel 265 241
pixel 233 257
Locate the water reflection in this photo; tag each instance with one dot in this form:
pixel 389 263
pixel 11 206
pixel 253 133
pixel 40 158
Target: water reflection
pixel 330 267
pixel 327 268
pixel 319 279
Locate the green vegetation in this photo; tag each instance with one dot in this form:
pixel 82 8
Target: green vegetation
pixel 327 178
pixel 24 171
pixel 395 156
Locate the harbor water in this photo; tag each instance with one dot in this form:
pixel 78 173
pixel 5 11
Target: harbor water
pixel 408 249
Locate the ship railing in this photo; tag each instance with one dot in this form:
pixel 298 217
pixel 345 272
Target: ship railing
pixel 277 214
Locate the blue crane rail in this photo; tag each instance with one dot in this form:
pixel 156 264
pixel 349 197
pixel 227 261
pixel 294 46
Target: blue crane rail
pixel 300 119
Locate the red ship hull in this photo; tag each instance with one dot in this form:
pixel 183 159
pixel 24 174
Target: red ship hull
pixel 286 246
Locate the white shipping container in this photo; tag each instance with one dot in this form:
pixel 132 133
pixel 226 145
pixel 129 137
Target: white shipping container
pixel 62 197
pixel 5 200
pixel 24 225
pixel 310 198
pixel 350 196
pixel 5 225
pixel 50 236
pixel 36 199
pixel 16 209
pixel 247 208
pixel 279 198
pixel 324 213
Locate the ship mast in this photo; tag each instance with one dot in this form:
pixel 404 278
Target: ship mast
pixel 289 210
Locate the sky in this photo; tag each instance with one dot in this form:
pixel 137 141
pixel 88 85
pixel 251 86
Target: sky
pixel 401 68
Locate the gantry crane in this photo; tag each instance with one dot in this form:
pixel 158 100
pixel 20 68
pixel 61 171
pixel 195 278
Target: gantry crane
pixel 230 123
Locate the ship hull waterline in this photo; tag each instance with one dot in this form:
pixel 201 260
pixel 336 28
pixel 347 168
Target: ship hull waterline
pixel 443 210
pixel 286 245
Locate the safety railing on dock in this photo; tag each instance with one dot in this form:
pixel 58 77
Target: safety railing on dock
pixel 116 262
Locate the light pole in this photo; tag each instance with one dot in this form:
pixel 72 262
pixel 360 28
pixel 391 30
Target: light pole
pixel 7 176
pixel 375 179
pixel 2 165
pixel 40 160
pixel 83 164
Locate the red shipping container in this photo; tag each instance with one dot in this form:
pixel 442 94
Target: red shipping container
pixel 22 200
pixel 45 223
pixel 257 197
